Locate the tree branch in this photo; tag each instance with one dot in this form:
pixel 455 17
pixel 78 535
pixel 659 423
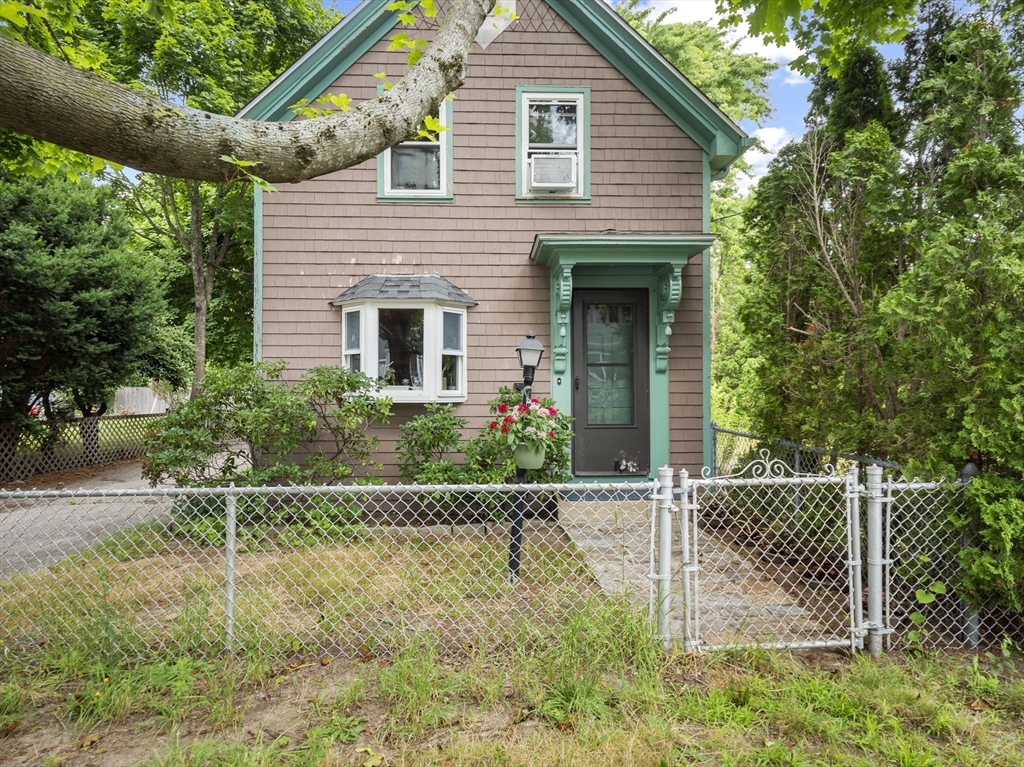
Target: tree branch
pixel 142 131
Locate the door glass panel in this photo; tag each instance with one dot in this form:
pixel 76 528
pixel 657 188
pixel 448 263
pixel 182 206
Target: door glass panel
pixel 609 363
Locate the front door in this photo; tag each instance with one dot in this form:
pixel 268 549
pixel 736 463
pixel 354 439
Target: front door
pixel 611 393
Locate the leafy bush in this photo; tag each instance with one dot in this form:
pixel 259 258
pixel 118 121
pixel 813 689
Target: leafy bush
pixel 993 568
pixel 247 426
pixel 426 443
pixel 430 444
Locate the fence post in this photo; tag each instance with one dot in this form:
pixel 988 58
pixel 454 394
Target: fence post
pixel 230 547
pixel 665 488
pixel 688 567
pixel 876 582
pixel 856 574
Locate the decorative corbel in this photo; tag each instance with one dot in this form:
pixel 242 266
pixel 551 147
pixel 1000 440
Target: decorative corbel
pixel 670 290
pixel 562 300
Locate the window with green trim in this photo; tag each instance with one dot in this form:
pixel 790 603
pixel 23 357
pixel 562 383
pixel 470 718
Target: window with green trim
pixel 553 126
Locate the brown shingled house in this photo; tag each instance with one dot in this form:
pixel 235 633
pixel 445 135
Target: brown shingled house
pixel 570 197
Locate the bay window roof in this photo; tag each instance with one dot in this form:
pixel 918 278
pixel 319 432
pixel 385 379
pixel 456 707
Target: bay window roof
pixel 405 287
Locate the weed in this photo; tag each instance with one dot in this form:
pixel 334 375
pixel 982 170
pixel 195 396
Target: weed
pixel 419 690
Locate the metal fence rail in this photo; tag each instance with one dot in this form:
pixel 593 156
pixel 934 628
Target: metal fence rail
pixel 731 450
pixel 311 569
pixel 76 444
pixel 765 557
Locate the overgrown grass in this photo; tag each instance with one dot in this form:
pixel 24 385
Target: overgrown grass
pixel 551 673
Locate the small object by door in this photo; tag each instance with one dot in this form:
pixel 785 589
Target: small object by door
pixel 611 389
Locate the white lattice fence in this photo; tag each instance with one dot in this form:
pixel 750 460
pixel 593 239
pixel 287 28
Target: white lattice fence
pixel 75 444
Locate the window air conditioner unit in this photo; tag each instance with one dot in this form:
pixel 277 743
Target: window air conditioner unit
pixel 553 172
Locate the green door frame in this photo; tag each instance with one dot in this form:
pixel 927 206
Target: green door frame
pixel 618 260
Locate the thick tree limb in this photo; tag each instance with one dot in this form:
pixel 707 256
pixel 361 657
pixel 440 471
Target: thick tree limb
pixel 49 100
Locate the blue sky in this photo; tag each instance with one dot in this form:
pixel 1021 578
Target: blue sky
pixel 788 90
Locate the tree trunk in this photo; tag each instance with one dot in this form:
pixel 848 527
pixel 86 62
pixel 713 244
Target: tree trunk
pixel 49 100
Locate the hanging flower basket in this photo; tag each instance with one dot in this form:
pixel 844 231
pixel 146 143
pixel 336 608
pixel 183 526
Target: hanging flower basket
pixel 529 456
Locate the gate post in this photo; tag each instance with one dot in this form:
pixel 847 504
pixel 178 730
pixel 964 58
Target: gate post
pixel 876 562
pixel 856 573
pixel 665 557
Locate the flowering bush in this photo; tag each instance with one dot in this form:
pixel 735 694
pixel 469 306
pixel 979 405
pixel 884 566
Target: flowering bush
pixel 530 424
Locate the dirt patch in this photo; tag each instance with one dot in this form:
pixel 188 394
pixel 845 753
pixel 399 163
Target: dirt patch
pixel 262 713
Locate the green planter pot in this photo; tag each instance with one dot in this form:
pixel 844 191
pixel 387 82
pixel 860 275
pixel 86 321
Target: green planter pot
pixel 529 457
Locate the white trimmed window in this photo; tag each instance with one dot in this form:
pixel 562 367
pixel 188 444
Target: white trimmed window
pixel 420 167
pixel 415 350
pixel 409 333
pixel 552 144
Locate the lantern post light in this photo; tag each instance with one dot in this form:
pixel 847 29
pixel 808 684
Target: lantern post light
pixel 530 351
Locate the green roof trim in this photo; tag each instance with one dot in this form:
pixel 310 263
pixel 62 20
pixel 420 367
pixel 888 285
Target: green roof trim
pixel 618 248
pixel 656 78
pixel 721 138
pixel 325 62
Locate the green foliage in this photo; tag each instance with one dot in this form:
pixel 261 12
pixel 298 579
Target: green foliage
pixel 241 429
pixel 491 452
pixel 882 308
pixel 826 30
pixel 246 426
pixel 80 307
pixel 347 405
pixel 428 439
pixel 736 82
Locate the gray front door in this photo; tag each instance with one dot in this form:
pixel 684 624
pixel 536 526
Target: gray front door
pixel 611 393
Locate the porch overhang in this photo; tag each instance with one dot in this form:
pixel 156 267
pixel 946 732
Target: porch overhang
pixel 666 252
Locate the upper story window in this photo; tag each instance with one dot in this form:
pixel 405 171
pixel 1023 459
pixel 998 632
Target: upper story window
pixel 421 168
pixel 409 333
pixel 553 139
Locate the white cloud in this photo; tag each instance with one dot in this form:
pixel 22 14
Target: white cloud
pixel 791 77
pixel 773 138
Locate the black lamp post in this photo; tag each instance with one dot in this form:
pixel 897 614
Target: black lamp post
pixel 530 351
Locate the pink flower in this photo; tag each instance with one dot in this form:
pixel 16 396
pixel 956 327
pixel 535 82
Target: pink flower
pixel 531 429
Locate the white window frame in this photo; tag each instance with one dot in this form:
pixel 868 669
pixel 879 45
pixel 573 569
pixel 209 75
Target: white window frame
pixel 525 160
pixel 433 343
pixel 443 144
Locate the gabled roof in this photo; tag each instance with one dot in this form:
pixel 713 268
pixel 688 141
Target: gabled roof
pixel 595 20
pixel 418 287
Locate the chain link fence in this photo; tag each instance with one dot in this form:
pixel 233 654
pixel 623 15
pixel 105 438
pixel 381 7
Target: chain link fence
pixel 75 444
pixel 774 562
pixel 346 570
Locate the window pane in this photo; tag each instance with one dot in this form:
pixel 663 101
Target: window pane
pixel 450 367
pixel 609 333
pixel 609 395
pixel 416 166
pixel 400 347
pixel 552 122
pixel 352 330
pixel 355 362
pixel 452 332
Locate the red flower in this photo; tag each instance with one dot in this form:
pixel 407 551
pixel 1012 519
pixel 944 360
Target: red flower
pixel 502 408
pixel 535 400
pixel 522 408
pixel 504 428
pixel 551 434
pixel 552 411
pixel 509 419
pixel 494 425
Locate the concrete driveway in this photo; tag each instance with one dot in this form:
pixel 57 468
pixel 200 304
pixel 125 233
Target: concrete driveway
pixel 36 532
